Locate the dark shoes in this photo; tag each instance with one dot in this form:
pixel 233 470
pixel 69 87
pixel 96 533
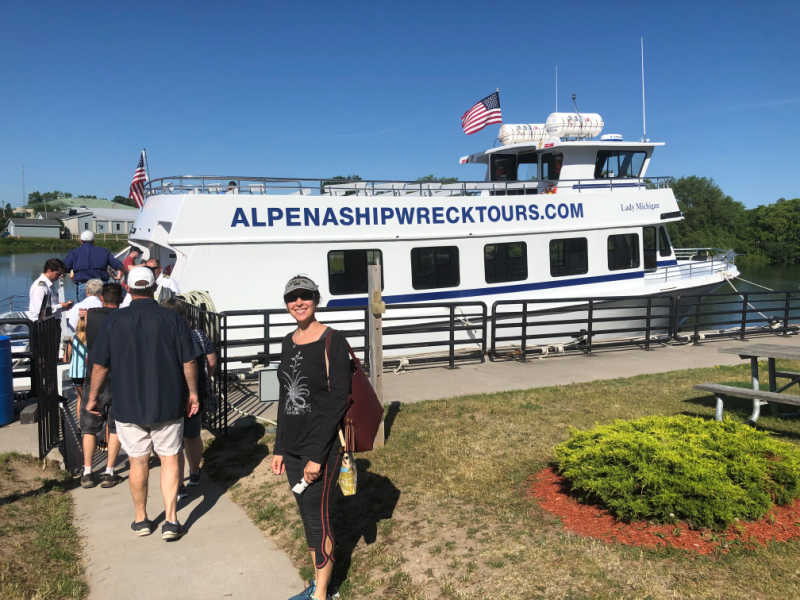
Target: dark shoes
pixel 171 531
pixel 88 480
pixel 194 479
pixel 108 480
pixel 142 528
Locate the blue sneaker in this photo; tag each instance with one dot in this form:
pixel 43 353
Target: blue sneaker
pixel 306 593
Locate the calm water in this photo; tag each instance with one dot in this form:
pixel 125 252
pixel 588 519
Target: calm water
pixel 18 271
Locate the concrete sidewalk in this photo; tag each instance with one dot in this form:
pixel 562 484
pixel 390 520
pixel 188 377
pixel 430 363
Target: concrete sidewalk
pixel 426 383
pixel 222 555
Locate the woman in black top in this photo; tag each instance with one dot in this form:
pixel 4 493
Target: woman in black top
pixel 312 402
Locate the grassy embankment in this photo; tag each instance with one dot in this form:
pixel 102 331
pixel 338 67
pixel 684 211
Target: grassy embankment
pixel 56 246
pixel 441 510
pixel 40 552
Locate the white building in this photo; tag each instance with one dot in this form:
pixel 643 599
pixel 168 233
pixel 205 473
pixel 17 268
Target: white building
pixel 100 220
pixel 34 228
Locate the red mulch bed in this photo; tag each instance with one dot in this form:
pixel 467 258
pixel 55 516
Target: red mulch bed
pixel 548 488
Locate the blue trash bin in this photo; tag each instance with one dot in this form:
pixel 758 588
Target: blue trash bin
pixel 6 382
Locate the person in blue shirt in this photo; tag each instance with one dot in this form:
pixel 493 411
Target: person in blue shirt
pixel 88 261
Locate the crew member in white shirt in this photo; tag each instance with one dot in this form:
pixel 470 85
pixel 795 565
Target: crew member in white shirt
pixel 94 291
pixel 42 301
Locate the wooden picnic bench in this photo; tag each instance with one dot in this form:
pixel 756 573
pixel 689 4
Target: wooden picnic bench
pixel 752 352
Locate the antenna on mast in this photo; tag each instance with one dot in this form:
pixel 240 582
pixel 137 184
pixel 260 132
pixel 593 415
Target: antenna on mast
pixel 580 118
pixel 644 113
pixel 556 88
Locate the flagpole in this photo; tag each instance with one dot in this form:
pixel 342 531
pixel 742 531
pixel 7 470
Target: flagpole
pixel 146 164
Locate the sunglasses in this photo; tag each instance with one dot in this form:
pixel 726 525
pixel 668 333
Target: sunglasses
pixel 301 294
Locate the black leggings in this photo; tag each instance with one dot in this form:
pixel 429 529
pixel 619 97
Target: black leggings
pixel 314 502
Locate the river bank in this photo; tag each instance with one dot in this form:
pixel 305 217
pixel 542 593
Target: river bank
pixel 35 245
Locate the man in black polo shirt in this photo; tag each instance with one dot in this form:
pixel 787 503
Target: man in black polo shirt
pixel 149 351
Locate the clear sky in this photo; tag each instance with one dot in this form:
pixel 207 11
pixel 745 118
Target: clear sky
pixel 317 89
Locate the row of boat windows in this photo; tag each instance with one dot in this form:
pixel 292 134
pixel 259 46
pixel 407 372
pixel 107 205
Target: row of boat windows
pixel 438 266
pixel 609 164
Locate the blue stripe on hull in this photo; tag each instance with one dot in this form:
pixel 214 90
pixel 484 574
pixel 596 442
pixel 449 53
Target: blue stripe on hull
pixel 502 289
pixel 667 263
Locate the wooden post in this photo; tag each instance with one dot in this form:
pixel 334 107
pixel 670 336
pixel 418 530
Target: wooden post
pixel 376 310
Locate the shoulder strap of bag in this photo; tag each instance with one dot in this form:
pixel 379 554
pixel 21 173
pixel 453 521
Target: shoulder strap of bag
pixel 328 377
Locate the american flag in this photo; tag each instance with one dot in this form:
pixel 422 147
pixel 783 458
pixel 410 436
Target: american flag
pixel 137 183
pixel 485 112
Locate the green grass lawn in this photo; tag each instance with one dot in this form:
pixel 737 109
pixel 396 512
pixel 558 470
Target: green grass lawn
pixel 56 246
pixel 40 551
pixel 441 510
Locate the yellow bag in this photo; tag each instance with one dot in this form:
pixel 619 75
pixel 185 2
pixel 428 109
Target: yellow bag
pixel 348 475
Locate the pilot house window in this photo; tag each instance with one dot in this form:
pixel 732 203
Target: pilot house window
pixel 623 251
pixel 505 262
pixel 613 164
pixel 435 267
pixel 347 270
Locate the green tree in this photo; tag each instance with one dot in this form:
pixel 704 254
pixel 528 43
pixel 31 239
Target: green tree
pixel 124 200
pixel 711 217
pixel 433 179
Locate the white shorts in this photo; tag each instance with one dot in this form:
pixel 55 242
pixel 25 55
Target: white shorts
pixel 138 440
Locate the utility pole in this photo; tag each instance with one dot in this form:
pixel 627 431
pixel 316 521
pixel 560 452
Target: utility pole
pixel 376 309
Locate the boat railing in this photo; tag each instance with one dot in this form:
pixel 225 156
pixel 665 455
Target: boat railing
pixel 695 262
pixel 218 184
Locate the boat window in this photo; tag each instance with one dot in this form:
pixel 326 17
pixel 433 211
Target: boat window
pixel 623 251
pixel 551 165
pixel 663 242
pixel 612 164
pixel 504 167
pixel 649 244
pixel 347 270
pixel 505 262
pixel 528 167
pixel 434 267
pixel 568 256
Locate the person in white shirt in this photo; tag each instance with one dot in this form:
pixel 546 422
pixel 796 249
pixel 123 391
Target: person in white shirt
pixel 42 301
pixel 94 291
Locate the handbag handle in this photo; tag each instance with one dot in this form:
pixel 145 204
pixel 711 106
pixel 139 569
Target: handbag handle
pixel 328 378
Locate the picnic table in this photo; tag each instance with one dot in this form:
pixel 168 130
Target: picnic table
pixel 754 351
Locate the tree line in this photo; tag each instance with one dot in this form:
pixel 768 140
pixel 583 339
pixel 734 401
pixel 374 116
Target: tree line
pixel 769 233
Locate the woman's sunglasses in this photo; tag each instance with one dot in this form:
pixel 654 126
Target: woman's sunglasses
pixel 302 294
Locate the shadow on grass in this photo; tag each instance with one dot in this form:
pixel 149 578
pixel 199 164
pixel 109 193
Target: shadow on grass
pixel 357 517
pixel 48 485
pixel 742 408
pixel 226 461
pixel 388 420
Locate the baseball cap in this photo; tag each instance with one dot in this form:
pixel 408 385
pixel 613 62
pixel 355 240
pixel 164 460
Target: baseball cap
pixel 300 282
pixel 87 236
pixel 140 278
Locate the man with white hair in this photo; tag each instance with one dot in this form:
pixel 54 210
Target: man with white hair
pixel 94 291
pixel 88 261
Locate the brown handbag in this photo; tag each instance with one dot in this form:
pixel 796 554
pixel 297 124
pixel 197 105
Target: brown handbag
pixel 364 411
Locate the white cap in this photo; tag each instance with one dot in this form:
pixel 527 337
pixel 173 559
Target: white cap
pixel 140 278
pixel 87 236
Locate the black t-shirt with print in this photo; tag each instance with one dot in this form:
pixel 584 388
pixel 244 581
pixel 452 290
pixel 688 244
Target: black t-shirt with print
pixel 308 413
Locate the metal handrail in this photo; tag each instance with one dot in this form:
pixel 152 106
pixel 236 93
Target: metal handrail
pixel 219 184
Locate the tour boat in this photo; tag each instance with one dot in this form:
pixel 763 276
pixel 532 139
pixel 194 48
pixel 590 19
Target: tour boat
pixel 561 212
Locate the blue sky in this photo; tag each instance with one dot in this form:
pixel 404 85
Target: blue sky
pixel 376 88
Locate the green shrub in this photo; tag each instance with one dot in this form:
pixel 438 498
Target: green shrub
pixel 668 468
